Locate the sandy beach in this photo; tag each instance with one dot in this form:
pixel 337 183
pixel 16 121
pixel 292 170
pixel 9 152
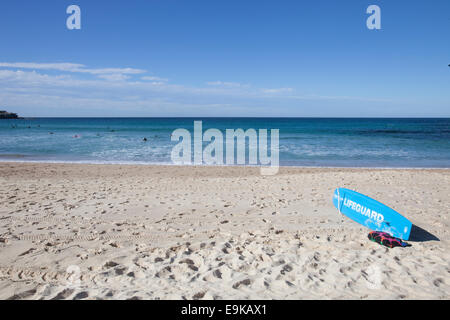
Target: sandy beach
pixel 77 231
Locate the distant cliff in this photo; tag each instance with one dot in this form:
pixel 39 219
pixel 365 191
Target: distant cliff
pixel 8 115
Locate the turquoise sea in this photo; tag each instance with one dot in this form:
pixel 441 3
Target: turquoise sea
pixel 315 142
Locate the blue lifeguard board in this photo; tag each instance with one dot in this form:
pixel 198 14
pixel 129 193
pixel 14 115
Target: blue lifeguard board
pixel 371 213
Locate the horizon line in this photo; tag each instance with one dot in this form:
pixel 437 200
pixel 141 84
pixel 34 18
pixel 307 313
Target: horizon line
pixel 227 117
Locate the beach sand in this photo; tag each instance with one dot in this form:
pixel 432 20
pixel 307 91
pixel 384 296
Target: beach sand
pixel 76 231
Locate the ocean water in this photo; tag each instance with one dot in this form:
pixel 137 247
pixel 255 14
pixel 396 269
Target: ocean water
pixel 303 141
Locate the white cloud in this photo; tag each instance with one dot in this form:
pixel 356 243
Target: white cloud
pixel 224 84
pixel 113 74
pixel 69 67
pixel 152 78
pixel 277 90
pixel 114 77
pixel 114 90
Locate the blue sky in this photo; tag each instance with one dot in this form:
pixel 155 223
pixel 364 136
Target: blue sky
pixel 225 58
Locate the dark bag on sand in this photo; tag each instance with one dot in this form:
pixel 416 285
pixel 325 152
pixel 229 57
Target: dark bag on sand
pixel 386 239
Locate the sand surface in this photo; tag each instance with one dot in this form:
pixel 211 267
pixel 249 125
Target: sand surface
pixel 70 231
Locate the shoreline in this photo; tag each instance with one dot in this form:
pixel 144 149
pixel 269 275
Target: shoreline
pixel 137 163
pixel 174 232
